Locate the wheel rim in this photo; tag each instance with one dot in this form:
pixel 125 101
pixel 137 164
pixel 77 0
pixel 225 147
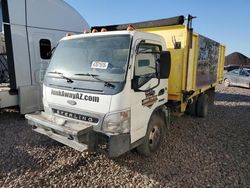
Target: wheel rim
pixel 154 137
pixel 226 82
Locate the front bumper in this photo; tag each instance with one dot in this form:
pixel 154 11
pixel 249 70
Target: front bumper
pixel 79 136
pixel 73 134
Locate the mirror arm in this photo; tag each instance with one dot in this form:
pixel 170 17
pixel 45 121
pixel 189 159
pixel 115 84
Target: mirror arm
pixel 138 46
pixel 158 71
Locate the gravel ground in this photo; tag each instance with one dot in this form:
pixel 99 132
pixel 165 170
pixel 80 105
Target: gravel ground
pixel 211 152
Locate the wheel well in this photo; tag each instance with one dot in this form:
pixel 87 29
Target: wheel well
pixel 164 112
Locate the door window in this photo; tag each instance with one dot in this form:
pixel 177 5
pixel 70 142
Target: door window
pixel 146 62
pixel 235 71
pixel 146 58
pixel 243 73
pixel 145 65
pixel 45 49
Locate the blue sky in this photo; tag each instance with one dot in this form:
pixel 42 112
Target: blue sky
pixel 226 21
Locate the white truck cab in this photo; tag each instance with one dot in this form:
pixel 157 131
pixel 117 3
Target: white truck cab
pixel 106 87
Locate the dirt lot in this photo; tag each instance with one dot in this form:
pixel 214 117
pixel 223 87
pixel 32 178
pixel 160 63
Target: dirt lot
pixel 211 152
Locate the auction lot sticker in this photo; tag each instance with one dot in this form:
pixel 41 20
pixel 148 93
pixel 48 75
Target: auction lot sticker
pixel 99 65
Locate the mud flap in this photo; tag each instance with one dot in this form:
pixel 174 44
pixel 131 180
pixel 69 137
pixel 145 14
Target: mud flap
pixel 118 145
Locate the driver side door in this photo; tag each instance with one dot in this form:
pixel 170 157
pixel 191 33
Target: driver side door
pixel 144 100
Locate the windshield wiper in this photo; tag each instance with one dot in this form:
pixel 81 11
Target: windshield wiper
pixel 95 76
pixel 62 76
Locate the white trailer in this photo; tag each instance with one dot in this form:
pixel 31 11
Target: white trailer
pixel 29 30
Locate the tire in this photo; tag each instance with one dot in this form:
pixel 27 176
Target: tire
pixel 226 83
pixel 202 106
pixel 155 134
pixel 211 96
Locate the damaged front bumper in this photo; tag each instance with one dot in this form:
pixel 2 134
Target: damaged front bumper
pixel 73 134
pixel 78 135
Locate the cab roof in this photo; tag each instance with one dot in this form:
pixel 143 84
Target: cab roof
pixel 109 33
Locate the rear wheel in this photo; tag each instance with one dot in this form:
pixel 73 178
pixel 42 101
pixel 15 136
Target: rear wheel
pixel 226 83
pixel 202 106
pixel 154 135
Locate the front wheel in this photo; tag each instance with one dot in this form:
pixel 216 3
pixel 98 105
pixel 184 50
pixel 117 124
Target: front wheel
pixel 154 135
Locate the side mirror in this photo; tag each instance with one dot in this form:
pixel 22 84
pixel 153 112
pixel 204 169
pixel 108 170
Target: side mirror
pixel 164 65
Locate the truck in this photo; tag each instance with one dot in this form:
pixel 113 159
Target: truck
pixel 117 89
pixel 29 30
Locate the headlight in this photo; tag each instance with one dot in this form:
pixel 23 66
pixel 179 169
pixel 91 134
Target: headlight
pixel 118 122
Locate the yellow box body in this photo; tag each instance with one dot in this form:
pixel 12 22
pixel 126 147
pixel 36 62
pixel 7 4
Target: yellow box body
pixel 184 63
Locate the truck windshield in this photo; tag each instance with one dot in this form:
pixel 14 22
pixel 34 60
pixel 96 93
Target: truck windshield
pixel 104 56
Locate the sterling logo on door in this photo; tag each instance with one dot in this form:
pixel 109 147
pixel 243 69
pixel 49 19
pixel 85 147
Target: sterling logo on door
pixel 73 96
